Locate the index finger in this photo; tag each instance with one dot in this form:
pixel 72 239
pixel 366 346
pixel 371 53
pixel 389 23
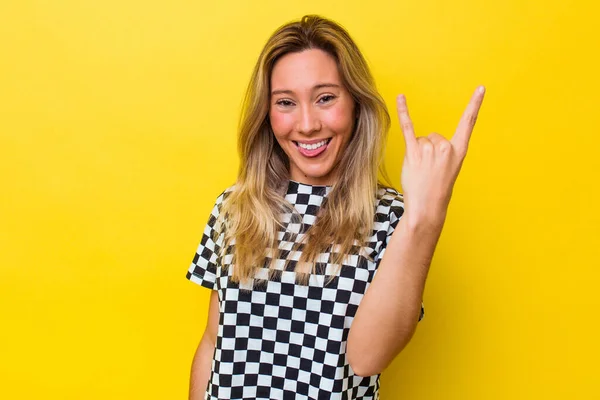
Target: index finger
pixel 406 124
pixel 462 136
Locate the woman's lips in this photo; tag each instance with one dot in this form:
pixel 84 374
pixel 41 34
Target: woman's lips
pixel 312 152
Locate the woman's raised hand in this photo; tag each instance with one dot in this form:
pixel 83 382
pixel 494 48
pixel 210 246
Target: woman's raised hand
pixel 431 164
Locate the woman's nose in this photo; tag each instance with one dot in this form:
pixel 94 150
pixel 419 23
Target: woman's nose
pixel 308 121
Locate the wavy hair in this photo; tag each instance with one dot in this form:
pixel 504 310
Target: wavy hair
pixel 250 216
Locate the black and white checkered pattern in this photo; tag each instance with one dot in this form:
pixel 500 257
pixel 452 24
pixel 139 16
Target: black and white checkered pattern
pixel 281 339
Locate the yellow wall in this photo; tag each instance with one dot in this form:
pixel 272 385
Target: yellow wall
pixel 117 132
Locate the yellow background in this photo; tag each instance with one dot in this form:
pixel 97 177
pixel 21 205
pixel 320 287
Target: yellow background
pixel 117 132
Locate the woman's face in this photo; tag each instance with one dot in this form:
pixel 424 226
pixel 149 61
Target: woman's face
pixel 311 114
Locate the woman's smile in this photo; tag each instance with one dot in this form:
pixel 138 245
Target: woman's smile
pixel 312 148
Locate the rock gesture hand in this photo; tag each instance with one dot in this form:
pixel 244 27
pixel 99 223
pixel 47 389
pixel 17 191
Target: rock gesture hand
pixel 431 164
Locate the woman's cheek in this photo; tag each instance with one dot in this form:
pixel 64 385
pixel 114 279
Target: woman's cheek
pixel 281 123
pixel 339 119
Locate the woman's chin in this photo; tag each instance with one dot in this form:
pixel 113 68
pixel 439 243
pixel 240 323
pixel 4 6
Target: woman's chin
pixel 314 176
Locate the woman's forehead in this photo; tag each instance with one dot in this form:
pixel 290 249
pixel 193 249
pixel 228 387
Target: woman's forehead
pixel 304 70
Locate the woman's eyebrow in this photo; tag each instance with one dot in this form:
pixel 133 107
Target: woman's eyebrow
pixel 326 85
pixel 281 91
pixel 316 87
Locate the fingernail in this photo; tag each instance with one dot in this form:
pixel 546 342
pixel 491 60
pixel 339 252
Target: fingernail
pixel 481 89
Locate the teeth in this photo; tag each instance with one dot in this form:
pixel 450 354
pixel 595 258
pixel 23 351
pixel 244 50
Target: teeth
pixel 312 146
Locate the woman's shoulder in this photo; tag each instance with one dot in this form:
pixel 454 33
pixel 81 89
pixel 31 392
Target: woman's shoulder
pixel 226 192
pixel 223 196
pixel 389 201
pixel 387 195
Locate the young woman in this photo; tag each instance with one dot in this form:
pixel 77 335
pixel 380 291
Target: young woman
pixel 317 269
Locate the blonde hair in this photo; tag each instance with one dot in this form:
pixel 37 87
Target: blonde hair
pixel 250 216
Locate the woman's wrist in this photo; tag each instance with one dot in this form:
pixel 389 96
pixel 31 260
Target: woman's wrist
pixel 424 220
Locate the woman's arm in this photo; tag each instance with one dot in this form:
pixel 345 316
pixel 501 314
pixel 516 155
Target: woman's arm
pixel 388 314
pixel 202 362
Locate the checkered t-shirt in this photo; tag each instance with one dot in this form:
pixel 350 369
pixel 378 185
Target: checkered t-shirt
pixel 286 340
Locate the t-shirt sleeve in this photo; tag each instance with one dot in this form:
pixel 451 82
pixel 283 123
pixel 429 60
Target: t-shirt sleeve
pixel 391 206
pixel 204 269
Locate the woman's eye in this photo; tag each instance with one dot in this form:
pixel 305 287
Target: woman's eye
pixel 327 98
pixel 284 103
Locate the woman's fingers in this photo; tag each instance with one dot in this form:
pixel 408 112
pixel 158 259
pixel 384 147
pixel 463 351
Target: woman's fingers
pixel 406 124
pixel 462 136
